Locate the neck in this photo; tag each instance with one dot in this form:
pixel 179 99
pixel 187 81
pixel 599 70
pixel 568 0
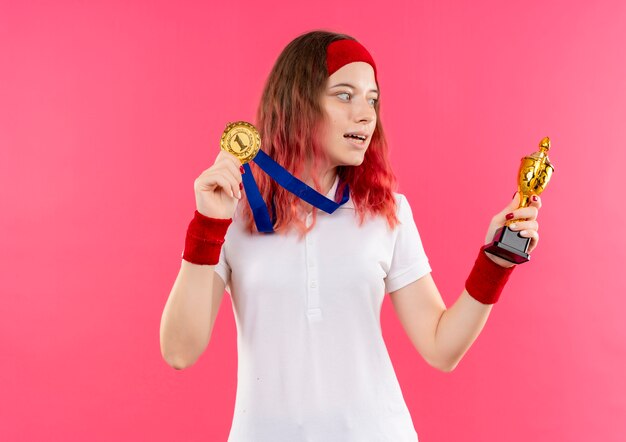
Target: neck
pixel 326 181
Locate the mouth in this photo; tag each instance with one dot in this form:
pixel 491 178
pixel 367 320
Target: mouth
pixel 356 138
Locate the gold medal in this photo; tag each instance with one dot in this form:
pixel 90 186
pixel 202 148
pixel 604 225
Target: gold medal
pixel 241 139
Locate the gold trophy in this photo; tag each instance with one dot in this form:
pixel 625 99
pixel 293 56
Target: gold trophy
pixel 534 174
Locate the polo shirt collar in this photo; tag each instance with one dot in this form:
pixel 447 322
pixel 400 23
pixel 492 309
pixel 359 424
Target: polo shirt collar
pixel 331 195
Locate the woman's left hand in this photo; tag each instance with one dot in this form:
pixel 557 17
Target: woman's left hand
pixel 526 224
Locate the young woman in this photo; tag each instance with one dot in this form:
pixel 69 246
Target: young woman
pixel 312 363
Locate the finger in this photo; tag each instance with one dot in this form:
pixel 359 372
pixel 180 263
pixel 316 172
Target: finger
pixel 534 238
pixel 513 204
pixel 237 169
pixel 211 181
pixel 216 178
pixel 224 165
pixel 234 178
pixel 231 170
pixel 233 181
pixel 229 157
pixel 531 211
pixel 234 165
pixel 535 201
pixel 524 225
pixel 524 214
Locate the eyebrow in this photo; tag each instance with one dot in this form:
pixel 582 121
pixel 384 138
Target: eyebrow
pixel 349 85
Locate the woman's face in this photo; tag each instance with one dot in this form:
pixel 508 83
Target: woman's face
pixel 348 103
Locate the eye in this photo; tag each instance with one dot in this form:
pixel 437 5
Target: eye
pixel 373 101
pixel 344 93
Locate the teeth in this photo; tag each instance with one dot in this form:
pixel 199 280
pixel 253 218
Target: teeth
pixel 358 137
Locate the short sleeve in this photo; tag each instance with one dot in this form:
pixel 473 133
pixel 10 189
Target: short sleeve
pixel 222 268
pixel 409 261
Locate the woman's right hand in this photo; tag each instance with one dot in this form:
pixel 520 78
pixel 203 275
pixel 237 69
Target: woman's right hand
pixel 218 188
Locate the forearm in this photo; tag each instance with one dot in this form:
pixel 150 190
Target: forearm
pixel 186 321
pixel 458 328
pixel 190 310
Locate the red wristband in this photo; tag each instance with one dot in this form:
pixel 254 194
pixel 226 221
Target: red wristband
pixel 487 279
pixel 205 236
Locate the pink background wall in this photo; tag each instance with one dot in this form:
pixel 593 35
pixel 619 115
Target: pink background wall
pixel 110 110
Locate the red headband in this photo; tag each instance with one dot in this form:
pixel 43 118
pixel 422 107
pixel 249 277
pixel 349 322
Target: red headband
pixel 341 52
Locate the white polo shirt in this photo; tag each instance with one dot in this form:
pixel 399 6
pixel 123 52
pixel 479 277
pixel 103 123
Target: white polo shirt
pixel 312 362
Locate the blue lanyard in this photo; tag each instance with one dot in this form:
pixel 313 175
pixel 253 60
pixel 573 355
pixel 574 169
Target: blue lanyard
pixel 287 181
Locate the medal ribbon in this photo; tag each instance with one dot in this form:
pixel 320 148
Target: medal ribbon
pixel 288 182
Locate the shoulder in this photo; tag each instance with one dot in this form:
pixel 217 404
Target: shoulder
pixel 404 209
pixel 401 203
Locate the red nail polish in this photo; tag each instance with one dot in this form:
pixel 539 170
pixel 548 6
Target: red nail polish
pixel 240 185
pixel 241 169
pixel 535 198
pixel 509 216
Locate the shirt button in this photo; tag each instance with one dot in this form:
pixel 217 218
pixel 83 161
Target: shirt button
pixel 314 284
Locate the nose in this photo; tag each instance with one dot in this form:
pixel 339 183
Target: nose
pixel 364 112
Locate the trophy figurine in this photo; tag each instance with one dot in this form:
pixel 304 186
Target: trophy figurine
pixel 534 174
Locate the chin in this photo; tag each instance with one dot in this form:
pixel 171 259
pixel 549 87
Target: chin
pixel 353 162
pixel 359 162
pixel 354 158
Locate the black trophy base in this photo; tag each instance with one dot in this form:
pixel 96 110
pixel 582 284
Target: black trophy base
pixel 509 245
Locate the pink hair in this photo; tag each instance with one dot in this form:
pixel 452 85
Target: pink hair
pixel 288 118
